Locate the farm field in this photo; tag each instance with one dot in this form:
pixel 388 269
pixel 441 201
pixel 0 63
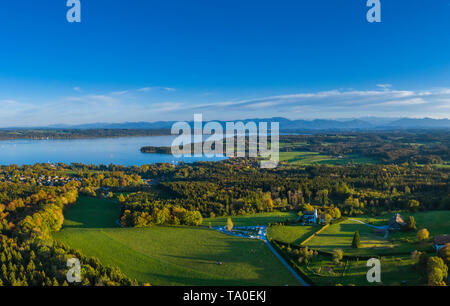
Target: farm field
pixel 437 222
pixel 309 158
pixel 250 220
pixel 303 158
pixel 340 235
pixel 292 144
pixel 442 166
pixel 291 234
pixel 169 255
pixel 396 271
pixel 91 212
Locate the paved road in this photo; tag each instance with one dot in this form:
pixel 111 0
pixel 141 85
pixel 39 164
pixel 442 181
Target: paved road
pixel 262 236
pixel 301 280
pixel 384 227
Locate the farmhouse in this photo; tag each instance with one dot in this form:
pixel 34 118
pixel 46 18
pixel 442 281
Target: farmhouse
pixel 396 222
pixel 310 216
pixel 441 241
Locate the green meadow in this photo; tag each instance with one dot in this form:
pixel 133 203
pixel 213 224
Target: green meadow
pixel 251 220
pixel 341 235
pixel 395 271
pixel 394 251
pixel 169 255
pixel 303 158
pixel 310 158
pixel 291 234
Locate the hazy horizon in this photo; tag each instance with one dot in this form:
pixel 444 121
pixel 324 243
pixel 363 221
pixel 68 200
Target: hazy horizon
pixel 375 121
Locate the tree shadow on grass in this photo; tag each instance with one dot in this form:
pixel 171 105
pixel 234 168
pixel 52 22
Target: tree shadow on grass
pixel 164 280
pixel 234 255
pixel 92 213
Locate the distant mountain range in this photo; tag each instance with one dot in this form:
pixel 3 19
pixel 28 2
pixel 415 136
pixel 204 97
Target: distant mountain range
pixel 368 123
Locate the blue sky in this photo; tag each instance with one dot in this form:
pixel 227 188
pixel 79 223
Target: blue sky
pixel 149 60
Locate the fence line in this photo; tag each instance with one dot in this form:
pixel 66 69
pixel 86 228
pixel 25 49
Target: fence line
pixel 314 235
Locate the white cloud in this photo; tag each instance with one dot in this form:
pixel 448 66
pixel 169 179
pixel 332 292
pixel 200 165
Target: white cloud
pixel 119 93
pixel 167 107
pixel 414 101
pixel 145 89
pixel 112 107
pixel 384 86
pixel 337 103
pixel 8 102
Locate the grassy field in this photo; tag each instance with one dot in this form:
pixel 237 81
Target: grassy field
pixel 170 255
pixel 91 212
pixel 397 266
pixel 292 144
pixel 256 219
pixel 341 235
pixel 354 159
pixel 394 270
pixel 309 158
pixel 303 158
pixel 292 234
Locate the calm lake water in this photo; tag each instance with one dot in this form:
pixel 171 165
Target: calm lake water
pixel 120 151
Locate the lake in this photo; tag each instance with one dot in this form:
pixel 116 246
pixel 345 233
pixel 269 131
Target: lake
pixel 119 151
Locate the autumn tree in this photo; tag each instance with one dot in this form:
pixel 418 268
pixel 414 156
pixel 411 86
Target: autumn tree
pixel 423 234
pixel 328 218
pixel 437 271
pixel 337 213
pixel 121 198
pixel 444 253
pixel 267 202
pixel 413 205
pixel 229 225
pixel 338 254
pixel 411 224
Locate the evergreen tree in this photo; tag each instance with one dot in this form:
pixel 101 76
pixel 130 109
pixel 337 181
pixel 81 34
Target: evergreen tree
pixel 356 243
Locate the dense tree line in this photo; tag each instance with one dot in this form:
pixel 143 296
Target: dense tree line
pixel 78 133
pixel 25 263
pixel 239 186
pixel 385 147
pixel 29 214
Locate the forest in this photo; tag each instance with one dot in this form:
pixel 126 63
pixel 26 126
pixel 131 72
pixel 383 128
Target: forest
pixel 77 133
pixel 388 147
pixel 33 198
pixel 419 147
pixel 239 187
